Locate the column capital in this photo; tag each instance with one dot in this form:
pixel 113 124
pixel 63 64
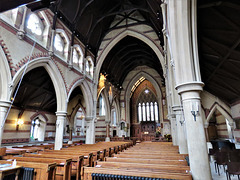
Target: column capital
pixel 189 86
pixel 4 103
pixel 61 113
pixel 177 108
pixel 206 124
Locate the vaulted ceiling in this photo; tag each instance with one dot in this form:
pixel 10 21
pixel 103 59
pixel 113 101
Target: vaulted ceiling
pixel 127 54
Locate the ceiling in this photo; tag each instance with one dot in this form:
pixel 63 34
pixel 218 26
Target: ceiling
pixel 126 55
pixel 218 37
pixel 90 20
pixel 36 92
pixel 219 47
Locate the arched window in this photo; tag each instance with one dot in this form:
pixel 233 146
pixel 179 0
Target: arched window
pixel 152 111
pixel 34 24
pixel 89 66
pixel 114 118
pixel 148 111
pixel 122 125
pixel 38 129
pixel 144 111
pixel 61 44
pixel 101 106
pixel 58 43
pixel 78 57
pixel 156 111
pixel 139 112
pixel 75 56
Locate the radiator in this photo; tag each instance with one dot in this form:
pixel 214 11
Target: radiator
pixel 96 176
pixel 26 173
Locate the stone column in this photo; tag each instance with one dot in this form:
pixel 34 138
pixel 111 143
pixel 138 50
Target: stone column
pixel 107 131
pixel 206 131
pixel 70 134
pixel 4 105
pixel 181 131
pixel 90 130
pixel 61 117
pixel 196 140
pixel 173 129
pixel 182 17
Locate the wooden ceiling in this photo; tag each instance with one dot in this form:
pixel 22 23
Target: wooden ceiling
pixel 219 47
pixel 218 37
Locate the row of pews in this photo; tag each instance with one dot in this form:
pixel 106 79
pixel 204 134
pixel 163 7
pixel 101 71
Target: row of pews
pixel 103 160
pixel 67 163
pixel 158 160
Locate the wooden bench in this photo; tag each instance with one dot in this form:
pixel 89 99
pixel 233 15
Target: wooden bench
pixel 150 156
pixel 63 170
pixel 147 161
pixel 88 171
pixel 155 167
pixel 42 171
pixel 88 157
pixel 77 161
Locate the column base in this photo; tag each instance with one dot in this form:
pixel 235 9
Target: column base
pixel 70 142
pixel 107 139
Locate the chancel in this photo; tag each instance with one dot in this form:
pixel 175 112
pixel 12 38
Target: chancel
pixel 120 89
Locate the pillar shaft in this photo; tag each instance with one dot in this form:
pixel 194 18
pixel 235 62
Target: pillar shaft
pixel 4 105
pixel 174 130
pixel 61 117
pixel 107 131
pixel 196 139
pixel 181 130
pixel 90 130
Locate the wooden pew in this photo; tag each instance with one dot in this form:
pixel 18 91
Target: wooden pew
pixel 154 167
pixel 63 170
pixel 124 172
pixel 42 171
pixel 147 161
pixel 150 156
pixel 77 161
pixel 88 157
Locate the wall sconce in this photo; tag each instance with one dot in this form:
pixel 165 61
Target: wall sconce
pixel 195 110
pixel 19 122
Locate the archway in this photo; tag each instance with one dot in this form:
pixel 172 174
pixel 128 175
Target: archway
pixel 38 126
pixel 220 124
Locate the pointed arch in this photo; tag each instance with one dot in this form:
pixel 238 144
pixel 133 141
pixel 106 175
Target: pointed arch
pixel 155 85
pixel 88 98
pixel 119 37
pixel 53 71
pixel 215 107
pixel 5 77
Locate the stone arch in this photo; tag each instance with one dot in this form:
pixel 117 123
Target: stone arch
pixel 156 86
pixel 215 107
pixel 120 36
pixel 53 71
pixel 5 77
pixel 86 94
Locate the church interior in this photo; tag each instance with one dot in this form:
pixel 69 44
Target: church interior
pixel 120 89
